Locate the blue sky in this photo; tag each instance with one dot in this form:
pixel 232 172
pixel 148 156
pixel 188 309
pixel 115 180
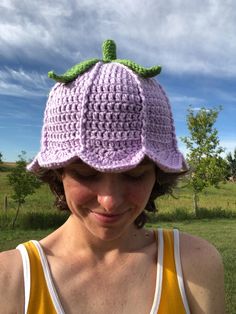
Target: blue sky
pixel 194 41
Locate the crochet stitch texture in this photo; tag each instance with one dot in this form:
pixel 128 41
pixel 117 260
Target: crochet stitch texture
pixel 111 118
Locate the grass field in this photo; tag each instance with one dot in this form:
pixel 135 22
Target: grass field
pixel 224 197
pixel 220 232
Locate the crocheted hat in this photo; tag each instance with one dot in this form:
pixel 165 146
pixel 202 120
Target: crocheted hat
pixel 109 113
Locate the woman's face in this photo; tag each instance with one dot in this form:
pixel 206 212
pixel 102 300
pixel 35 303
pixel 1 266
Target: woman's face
pixel 107 203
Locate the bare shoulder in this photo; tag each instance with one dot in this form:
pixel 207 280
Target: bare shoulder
pixel 203 274
pixel 11 282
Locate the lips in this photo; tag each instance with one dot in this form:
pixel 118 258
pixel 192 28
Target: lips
pixel 106 218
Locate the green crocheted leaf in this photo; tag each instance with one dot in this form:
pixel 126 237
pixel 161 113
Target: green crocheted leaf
pixel 144 72
pixel 109 55
pixel 73 72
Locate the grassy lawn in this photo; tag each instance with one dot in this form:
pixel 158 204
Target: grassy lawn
pixel 224 197
pixel 220 232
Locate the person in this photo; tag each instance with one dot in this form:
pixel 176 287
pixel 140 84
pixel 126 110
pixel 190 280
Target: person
pixel 108 150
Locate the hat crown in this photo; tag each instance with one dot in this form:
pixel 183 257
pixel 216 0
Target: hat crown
pixel 110 117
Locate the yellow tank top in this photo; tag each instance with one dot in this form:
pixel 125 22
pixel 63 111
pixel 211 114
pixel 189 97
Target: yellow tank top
pixel 170 298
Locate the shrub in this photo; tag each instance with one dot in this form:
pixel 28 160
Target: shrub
pixel 216 212
pixel 179 214
pixel 40 220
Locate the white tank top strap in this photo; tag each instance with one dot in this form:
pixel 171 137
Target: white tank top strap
pixel 47 274
pixel 159 273
pixel 48 278
pixel 26 274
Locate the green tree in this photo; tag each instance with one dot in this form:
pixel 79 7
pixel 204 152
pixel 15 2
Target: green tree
pixel 231 160
pixel 22 182
pixel 207 167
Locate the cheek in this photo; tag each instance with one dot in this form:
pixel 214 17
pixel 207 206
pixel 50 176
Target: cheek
pixel 139 193
pixel 77 194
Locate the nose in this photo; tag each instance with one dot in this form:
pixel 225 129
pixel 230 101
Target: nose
pixel 111 194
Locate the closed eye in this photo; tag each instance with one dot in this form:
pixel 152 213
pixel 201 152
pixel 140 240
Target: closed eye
pixel 135 176
pixel 84 175
pixel 140 172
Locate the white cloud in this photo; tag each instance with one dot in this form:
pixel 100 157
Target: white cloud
pixel 22 84
pixel 186 37
pixel 229 144
pixel 182 147
pixel 198 109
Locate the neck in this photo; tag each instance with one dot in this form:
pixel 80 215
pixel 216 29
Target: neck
pixel 79 239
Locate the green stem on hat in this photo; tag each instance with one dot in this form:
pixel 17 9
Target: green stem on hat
pixel 109 55
pixel 109 50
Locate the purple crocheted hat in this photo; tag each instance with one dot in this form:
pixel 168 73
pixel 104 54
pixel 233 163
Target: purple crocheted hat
pixel 110 114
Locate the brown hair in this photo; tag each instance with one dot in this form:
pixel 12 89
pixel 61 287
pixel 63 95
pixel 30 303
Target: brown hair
pixel 164 184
